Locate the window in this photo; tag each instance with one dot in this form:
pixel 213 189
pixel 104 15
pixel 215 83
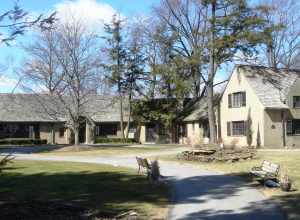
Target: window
pixel 107 129
pixel 61 132
pixel 97 131
pixel 183 130
pixel 296 101
pixel 237 99
pixel 31 131
pixel 293 127
pixel 236 128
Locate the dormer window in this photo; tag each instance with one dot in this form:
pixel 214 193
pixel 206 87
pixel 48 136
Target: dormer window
pixel 237 100
pixel 296 101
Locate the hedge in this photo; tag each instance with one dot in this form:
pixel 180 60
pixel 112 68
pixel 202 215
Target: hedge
pixel 20 141
pixel 113 140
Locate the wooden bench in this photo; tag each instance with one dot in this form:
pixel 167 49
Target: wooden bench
pixel 5 160
pixel 143 164
pixel 267 170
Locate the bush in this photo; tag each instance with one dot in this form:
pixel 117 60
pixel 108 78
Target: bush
pixel 100 140
pixel 21 141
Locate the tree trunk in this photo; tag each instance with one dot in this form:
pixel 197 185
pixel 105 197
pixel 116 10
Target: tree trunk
pixel 76 134
pixel 129 116
pixel 271 56
pixel 211 75
pixel 52 134
pixel 121 117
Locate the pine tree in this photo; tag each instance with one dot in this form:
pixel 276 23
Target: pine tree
pixel 234 27
pixel 117 55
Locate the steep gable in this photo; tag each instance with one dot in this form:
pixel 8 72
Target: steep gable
pixel 271 86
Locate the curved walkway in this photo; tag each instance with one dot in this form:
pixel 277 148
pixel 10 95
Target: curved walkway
pixel 197 194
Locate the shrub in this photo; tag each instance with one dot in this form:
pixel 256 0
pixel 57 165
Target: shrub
pixel 113 140
pixel 22 141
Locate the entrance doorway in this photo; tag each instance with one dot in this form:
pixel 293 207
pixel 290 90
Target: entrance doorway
pixel 82 133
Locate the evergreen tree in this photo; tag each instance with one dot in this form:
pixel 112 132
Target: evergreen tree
pixel 117 57
pixel 234 27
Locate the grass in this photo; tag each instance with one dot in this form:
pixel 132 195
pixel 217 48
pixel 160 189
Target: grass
pixel 96 188
pixel 111 150
pixel 288 160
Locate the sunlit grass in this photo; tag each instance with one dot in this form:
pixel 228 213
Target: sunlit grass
pixel 99 188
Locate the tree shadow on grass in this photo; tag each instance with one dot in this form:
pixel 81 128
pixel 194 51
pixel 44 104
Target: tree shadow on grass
pixel 97 194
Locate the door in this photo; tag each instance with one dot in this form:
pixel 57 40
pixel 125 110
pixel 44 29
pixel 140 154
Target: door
pixel 82 133
pixel 151 133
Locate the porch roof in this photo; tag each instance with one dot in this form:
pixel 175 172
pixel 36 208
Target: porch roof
pixel 197 110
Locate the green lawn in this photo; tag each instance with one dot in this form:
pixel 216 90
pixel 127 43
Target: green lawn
pixel 288 160
pixel 112 150
pixel 99 190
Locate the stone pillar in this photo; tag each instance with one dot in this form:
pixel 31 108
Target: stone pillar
pixel 89 128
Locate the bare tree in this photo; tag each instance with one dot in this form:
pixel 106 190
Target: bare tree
pixel 42 67
pixel 64 62
pixel 283 33
pixel 187 20
pixel 79 60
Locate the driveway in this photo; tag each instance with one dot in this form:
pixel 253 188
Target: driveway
pixel 197 194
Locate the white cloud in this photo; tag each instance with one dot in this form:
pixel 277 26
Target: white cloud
pixel 7 84
pixel 93 14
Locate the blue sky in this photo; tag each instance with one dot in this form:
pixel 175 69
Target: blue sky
pixel 92 10
pixel 11 57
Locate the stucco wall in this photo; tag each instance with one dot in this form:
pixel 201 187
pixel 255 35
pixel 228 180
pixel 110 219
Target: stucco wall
pixel 194 134
pixel 294 113
pixel 294 91
pixel 253 108
pixel 273 128
pixel 45 133
pixel 142 133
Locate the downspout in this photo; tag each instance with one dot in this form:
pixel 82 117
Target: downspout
pixel 283 128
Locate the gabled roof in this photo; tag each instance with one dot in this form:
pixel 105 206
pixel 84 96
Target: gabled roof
pixel 41 108
pixel 270 85
pixel 197 110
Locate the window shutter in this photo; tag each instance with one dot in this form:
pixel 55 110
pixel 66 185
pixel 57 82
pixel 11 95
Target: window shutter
pixel 243 98
pixel 229 101
pixel 228 128
pixel 289 127
pixel 246 130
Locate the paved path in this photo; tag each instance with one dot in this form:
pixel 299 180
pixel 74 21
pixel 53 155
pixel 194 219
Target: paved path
pixel 202 195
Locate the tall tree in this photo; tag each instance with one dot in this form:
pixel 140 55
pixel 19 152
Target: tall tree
pixel 233 27
pixel 41 71
pixel 282 35
pixel 135 76
pixel 41 67
pixel 79 61
pixel 65 62
pixel 116 52
pixel 186 20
